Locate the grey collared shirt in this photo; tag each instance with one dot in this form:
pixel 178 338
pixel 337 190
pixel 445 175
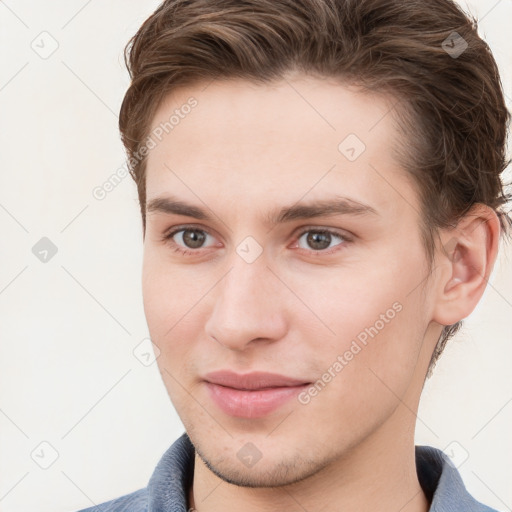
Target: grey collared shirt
pixel 167 490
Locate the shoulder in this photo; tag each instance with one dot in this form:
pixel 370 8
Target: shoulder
pixel 442 482
pixel 134 502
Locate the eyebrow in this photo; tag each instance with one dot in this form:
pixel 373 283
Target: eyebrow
pixel 327 207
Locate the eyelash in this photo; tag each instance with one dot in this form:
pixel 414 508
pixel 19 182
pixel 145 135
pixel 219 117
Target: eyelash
pixel 186 252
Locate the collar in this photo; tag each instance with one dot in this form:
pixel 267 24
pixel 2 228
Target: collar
pixel 438 477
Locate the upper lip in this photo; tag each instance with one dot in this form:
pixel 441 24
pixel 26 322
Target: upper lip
pixel 253 380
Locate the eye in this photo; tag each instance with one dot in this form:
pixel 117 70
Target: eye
pixel 189 239
pixel 319 240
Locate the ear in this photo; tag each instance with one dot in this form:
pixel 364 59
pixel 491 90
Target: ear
pixel 465 259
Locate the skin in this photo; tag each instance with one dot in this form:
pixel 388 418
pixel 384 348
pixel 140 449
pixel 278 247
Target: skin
pixel 242 152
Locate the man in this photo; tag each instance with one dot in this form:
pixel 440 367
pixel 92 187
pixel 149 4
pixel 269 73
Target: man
pixel 320 191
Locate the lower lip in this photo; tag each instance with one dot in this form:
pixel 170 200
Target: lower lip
pixel 251 404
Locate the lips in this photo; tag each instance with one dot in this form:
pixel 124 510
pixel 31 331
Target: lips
pixel 252 395
pixel 252 381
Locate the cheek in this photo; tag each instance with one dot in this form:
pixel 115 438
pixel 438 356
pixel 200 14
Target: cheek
pixel 174 300
pixel 366 370
pixel 372 319
pixel 172 325
pixel 163 287
pixel 162 292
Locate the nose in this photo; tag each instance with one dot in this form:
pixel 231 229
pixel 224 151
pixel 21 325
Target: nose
pixel 248 306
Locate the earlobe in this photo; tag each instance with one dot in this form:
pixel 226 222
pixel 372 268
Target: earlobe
pixel 465 261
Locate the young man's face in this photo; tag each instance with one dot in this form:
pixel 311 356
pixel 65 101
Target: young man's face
pixel 347 312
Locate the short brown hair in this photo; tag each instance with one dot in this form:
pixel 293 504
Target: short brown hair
pixel 451 103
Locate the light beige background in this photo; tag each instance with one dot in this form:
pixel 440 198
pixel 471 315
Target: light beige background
pixel 69 327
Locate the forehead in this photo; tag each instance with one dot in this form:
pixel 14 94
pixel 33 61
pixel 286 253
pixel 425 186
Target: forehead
pixel 296 137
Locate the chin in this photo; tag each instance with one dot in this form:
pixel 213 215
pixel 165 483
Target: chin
pixel 266 472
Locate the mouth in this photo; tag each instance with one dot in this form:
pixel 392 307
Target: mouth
pixel 251 395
